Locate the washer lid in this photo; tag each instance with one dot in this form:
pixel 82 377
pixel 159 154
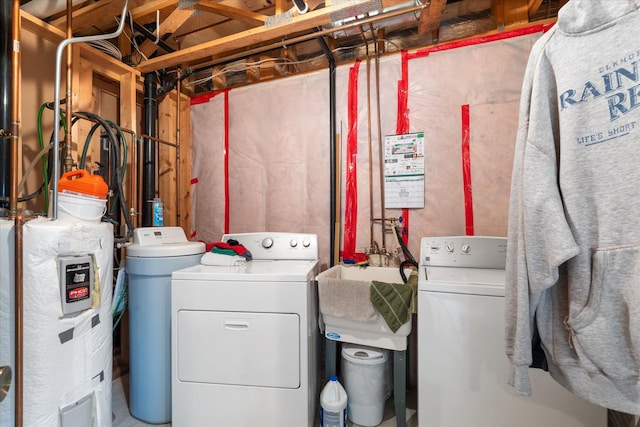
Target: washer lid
pixel 472 281
pixel 154 242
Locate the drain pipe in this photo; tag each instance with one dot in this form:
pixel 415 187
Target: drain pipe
pixel 149 148
pixel 56 100
pixel 332 148
pixel 6 44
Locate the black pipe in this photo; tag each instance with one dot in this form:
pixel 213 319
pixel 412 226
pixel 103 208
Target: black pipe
pixel 332 145
pixel 149 35
pixel 149 148
pixel 6 97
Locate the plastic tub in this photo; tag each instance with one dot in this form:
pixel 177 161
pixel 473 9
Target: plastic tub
pixel 76 206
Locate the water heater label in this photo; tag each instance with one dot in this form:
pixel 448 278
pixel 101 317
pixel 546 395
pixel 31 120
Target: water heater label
pixel 76 283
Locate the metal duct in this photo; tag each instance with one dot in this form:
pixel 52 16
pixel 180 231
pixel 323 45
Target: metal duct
pixel 149 148
pixel 44 9
pixel 6 52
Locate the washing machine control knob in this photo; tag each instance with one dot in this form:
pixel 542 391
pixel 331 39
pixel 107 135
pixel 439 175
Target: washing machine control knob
pixel 306 243
pixel 267 242
pixel 293 243
pixel 466 248
pixel 449 247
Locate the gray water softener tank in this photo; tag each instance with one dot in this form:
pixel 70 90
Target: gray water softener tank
pixel 156 252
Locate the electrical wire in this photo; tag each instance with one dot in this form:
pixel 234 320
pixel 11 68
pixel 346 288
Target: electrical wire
pixel 239 67
pixel 107 48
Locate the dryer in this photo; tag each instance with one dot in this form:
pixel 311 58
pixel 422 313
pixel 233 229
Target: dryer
pixel 462 365
pixel 245 337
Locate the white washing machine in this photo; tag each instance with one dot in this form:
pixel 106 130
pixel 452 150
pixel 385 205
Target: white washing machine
pixel 245 337
pixel 462 365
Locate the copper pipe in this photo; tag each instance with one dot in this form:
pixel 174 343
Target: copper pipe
pixel 380 144
pixel 133 176
pixel 305 37
pixel 18 391
pixel 161 141
pixel 19 220
pixel 178 90
pixel 369 140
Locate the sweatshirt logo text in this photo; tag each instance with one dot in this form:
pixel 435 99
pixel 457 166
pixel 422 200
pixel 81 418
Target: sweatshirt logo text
pixel 619 86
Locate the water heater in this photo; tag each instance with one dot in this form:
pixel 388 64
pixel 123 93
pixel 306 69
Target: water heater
pixel 67 324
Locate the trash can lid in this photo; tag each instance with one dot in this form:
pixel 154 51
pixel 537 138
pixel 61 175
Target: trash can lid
pixel 364 354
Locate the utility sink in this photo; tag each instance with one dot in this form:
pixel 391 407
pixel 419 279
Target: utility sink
pixel 374 332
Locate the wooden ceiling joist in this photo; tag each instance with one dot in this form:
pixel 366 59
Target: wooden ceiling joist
pixel 246 16
pixel 533 6
pixel 511 12
pixel 431 16
pixel 174 21
pixel 253 36
pixel 94 14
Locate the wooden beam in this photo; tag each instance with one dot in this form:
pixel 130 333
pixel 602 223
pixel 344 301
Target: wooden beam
pixel 40 28
pixel 516 11
pixel 109 66
pixel 431 16
pixel 95 13
pixel 497 9
pixel 253 36
pixel 169 26
pixel 150 7
pixel 533 6
pixel 246 16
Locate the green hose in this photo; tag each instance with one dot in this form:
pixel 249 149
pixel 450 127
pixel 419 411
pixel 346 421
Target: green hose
pixel 45 173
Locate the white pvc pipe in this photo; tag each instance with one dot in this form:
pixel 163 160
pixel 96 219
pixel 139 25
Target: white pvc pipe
pixel 56 99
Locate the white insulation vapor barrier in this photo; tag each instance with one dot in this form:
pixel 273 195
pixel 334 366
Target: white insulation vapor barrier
pixel 279 160
pixel 66 359
pixel 7 313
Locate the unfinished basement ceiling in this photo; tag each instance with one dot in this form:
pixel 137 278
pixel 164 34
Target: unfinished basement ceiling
pixel 222 44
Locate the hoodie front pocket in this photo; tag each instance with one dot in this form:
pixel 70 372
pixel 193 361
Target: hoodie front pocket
pixel 606 333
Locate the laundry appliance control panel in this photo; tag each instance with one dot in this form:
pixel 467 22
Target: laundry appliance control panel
pixel 277 245
pixel 464 251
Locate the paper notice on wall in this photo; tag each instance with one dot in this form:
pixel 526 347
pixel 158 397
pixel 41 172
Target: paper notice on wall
pixel 404 170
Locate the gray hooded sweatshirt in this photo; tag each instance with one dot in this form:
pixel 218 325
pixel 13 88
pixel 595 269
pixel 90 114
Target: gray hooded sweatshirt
pixel 573 262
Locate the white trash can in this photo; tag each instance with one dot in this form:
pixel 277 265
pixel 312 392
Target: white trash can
pixel 366 375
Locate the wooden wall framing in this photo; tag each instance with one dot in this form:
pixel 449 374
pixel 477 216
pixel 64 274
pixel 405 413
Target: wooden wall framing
pixel 90 65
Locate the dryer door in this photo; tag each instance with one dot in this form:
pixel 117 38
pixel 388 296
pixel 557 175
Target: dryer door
pixel 239 348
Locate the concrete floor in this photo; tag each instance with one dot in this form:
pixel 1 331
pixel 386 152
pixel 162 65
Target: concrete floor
pixel 122 418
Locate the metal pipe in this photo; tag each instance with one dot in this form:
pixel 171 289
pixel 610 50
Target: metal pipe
pixel 68 161
pixel 56 98
pixel 19 219
pixel 161 141
pixel 149 149
pixel 6 49
pixel 18 320
pixel 149 35
pixel 332 149
pixel 369 141
pixel 15 106
pixel 178 154
pixel 380 147
pixel 305 37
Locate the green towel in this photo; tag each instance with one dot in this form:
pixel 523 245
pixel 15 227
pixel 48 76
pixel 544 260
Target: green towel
pixel 395 301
